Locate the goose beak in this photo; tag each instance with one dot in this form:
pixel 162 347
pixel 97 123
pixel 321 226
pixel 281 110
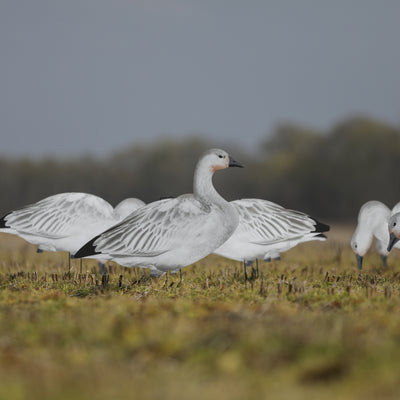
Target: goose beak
pixel 234 163
pixel 392 241
pixel 359 261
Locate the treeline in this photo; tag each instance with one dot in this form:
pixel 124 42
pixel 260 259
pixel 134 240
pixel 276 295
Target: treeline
pixel 327 174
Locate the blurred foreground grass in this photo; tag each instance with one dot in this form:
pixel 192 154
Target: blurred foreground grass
pixel 309 326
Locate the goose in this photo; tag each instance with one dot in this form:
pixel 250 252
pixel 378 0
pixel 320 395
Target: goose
pixel 267 229
pixel 373 220
pixel 172 233
pixel 65 221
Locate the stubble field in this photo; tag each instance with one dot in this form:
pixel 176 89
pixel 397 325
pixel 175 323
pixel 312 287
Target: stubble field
pixel 308 326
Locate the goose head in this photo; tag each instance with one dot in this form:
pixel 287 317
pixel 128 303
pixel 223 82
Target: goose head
pixel 360 243
pixel 217 159
pixel 394 230
pixel 211 161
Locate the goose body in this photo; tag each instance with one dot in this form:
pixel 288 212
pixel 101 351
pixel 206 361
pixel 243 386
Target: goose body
pixel 267 229
pixel 65 221
pixel 172 233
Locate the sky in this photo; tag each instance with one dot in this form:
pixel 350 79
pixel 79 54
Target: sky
pixel 93 76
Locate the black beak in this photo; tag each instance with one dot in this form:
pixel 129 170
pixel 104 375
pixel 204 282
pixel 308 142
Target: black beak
pixel 393 240
pixel 234 163
pixel 359 261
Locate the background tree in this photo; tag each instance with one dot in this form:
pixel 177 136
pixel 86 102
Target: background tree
pixel 327 174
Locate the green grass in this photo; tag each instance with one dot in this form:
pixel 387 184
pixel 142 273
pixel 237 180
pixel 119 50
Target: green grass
pixel 309 326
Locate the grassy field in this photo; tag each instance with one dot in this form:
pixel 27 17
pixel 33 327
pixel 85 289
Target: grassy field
pixel 309 326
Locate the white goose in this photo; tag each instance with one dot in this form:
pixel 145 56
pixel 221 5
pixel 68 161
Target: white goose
pixel 373 220
pixel 65 221
pixel 267 229
pixel 172 233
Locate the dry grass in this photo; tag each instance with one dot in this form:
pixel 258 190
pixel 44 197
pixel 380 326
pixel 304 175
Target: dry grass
pixel 309 326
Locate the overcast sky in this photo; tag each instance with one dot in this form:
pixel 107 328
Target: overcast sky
pixel 81 76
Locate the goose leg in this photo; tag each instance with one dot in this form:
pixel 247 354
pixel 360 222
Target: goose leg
pixel 384 261
pixel 103 268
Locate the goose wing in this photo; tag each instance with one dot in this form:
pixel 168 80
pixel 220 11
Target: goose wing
pixel 152 230
pixel 263 222
pixel 59 216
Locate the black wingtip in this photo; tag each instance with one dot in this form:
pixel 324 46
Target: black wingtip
pixel 3 222
pixel 320 227
pixel 89 249
pixel 321 235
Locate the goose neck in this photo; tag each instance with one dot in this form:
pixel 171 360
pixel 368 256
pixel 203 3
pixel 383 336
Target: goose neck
pixel 376 220
pixel 203 188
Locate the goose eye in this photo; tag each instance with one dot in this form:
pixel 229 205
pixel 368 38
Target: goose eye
pixel 394 223
pixel 220 156
pixel 355 246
